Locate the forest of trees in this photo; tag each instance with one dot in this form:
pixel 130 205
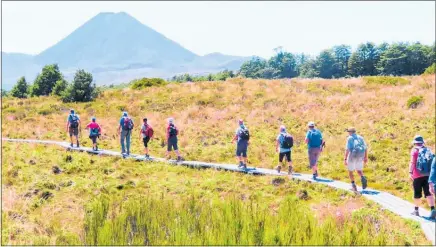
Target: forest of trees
pixel 368 59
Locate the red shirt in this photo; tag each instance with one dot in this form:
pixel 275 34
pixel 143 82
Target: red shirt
pixel 412 165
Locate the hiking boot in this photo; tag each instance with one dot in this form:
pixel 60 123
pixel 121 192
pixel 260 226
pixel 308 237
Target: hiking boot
pixel 278 168
pixel 315 175
pixel 364 182
pixel 432 214
pixel 71 145
pixel 78 145
pixel 415 213
pixel 354 187
pixel 290 170
pixel 179 158
pixel 244 166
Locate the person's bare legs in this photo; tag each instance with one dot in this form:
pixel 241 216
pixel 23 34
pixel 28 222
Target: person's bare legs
pixel 417 201
pixel 351 175
pixel 146 151
pixel 430 200
pixel 314 169
pixel 290 166
pixel 177 152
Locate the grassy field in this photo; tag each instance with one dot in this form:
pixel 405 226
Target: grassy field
pixel 104 200
pixel 207 114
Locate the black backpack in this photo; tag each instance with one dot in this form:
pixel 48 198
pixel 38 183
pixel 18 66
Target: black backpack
pixel 287 141
pixel 244 134
pixel 74 121
pixel 173 130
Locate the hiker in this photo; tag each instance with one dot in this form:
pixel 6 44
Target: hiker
pixel 94 133
pixel 172 133
pixel 315 144
pixel 125 129
pixel 242 136
pixel 73 126
pixel 432 177
pixel 356 155
pixel 285 141
pixel 419 171
pixel 146 133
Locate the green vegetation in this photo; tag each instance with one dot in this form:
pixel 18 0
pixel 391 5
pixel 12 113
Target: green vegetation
pixel 386 80
pixel 81 89
pixel 220 76
pixel 414 101
pixel 96 198
pixel 430 70
pixel 147 82
pixel 20 90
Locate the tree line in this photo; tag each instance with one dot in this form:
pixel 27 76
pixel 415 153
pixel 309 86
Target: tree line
pixel 220 76
pixel 368 59
pixel 52 82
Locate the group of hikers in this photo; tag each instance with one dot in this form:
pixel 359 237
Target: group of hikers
pixel 422 166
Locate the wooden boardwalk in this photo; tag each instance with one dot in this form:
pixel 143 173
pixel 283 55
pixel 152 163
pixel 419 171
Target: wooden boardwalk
pixel 386 200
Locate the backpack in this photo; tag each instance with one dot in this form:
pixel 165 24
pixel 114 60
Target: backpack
pixel 315 139
pixel 149 131
pixel 74 121
pixel 358 146
pixel 287 141
pixel 244 134
pixel 93 132
pixel 173 130
pixel 425 157
pixel 127 124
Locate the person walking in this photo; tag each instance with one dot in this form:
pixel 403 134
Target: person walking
pixel 73 126
pixel 125 129
pixel 94 132
pixel 419 171
pixel 242 137
pixel 146 133
pixel 172 133
pixel 284 142
pixel 356 155
pixel 432 181
pixel 315 144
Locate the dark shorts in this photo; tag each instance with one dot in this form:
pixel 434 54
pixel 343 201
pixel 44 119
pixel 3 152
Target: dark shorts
pixel 241 149
pixel 172 143
pixel 287 155
pixel 419 185
pixel 94 139
pixel 74 131
pixel 146 140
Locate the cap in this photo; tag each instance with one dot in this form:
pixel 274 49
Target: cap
pixel 282 128
pixel 72 110
pixel 125 114
pixel 170 120
pixel 93 119
pixel 418 139
pixel 311 124
pixel 351 129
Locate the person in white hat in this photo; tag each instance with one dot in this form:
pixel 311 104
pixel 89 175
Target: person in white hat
pixel 419 174
pixel 356 154
pixel 315 144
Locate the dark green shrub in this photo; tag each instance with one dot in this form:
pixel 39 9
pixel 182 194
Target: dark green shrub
pixel 147 82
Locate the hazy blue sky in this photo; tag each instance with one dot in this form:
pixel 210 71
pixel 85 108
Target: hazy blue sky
pixel 234 28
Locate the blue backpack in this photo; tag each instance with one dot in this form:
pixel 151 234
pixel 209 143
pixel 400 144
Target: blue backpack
pixel 358 146
pixel 74 121
pixel 315 139
pixel 425 157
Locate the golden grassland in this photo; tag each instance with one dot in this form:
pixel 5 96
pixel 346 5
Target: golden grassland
pixel 206 114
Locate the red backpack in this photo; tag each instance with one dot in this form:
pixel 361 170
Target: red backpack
pixel 149 131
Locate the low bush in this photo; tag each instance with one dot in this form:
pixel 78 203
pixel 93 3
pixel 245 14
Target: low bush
pixel 386 80
pixel 147 82
pixel 414 101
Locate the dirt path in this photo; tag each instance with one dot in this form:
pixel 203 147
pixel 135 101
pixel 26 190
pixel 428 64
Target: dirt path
pixel 386 200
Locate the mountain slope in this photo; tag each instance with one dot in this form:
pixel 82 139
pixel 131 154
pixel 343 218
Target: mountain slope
pixel 117 40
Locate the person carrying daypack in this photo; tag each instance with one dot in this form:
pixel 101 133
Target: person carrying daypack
pixel 285 142
pixel 146 133
pixel 419 171
pixel 432 177
pixel 94 132
pixel 356 155
pixel 242 136
pixel 125 129
pixel 73 126
pixel 172 133
pixel 315 144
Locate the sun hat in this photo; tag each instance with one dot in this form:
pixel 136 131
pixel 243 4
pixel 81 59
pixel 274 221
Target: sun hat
pixel 311 124
pixel 418 139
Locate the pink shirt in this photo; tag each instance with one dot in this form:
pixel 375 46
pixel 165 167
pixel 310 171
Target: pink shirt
pixel 412 165
pixel 94 125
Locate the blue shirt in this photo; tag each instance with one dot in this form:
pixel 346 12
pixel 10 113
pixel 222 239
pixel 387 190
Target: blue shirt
pixel 354 140
pixel 280 138
pixel 312 141
pixel 69 117
pixel 238 133
pixel 432 177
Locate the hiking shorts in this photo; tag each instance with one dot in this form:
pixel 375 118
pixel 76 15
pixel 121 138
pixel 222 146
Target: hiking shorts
pixel 172 144
pixel 313 156
pixel 94 139
pixel 241 149
pixel 420 184
pixel 146 140
pixel 74 131
pixel 355 163
pixel 287 155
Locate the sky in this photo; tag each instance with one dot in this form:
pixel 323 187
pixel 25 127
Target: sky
pixel 232 28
